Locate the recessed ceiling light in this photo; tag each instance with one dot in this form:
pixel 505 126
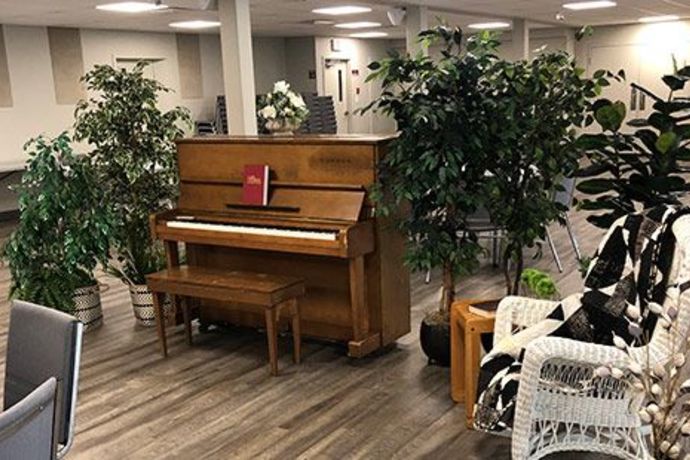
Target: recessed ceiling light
pixel 667 18
pixel 358 25
pixel 342 10
pixel 130 7
pixel 323 22
pixel 579 6
pixel 199 24
pixel 489 25
pixel 369 35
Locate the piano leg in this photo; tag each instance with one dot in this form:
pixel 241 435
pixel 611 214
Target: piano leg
pixel 296 332
pixel 187 315
pixel 363 342
pixel 158 299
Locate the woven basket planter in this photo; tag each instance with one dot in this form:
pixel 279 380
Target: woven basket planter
pixel 142 302
pixel 88 308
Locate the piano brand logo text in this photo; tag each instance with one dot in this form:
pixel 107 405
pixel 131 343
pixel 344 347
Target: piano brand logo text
pixel 253 180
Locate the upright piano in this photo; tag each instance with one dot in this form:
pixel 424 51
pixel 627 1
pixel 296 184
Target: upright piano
pixel 319 224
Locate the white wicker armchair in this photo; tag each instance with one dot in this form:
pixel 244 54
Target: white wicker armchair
pixel 561 406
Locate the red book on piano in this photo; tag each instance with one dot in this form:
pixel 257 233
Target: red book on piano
pixel 255 186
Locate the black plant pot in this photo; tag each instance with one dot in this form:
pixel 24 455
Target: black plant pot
pixel 435 341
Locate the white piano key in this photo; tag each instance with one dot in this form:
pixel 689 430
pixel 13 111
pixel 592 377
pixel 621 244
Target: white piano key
pixel 262 231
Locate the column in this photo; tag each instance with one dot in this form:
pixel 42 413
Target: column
pixel 238 65
pixel 417 20
pixel 570 42
pixel 520 39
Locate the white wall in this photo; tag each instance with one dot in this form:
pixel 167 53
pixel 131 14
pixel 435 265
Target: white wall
pixel 269 63
pixel 300 60
pixel 359 53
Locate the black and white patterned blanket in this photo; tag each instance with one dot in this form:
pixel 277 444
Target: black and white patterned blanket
pixel 632 267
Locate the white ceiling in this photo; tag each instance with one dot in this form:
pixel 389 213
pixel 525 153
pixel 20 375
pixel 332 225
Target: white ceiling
pixel 293 17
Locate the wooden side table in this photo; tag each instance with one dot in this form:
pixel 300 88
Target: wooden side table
pixel 465 349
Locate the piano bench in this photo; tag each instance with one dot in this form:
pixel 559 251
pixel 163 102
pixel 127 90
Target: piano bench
pixel 273 293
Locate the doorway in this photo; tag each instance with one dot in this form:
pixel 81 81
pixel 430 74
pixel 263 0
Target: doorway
pixel 335 78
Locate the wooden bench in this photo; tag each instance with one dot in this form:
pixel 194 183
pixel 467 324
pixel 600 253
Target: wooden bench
pixel 273 293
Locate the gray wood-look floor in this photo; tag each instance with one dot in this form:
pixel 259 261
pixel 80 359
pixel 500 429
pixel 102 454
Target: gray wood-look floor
pixel 217 400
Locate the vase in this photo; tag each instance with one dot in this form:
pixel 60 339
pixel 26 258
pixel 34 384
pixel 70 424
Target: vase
pixel 142 303
pixel 88 308
pixel 281 127
pixel 435 341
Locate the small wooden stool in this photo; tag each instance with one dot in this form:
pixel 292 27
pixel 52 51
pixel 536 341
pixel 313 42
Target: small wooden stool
pixel 465 349
pixel 273 293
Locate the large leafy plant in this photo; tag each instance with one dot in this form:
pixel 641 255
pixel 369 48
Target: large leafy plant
pixel 134 155
pixel 629 171
pixel 535 109
pixel 64 227
pixel 435 168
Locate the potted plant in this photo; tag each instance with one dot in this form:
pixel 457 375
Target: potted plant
pixel 282 111
pixel 539 285
pixel 537 106
pixel 435 168
pixel 628 171
pixel 133 151
pixel 63 232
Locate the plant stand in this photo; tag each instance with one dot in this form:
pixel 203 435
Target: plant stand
pixel 465 348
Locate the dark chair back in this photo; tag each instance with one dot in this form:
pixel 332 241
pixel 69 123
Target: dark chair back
pixel 44 343
pixel 26 428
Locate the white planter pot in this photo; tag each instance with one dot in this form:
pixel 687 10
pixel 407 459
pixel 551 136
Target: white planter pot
pixel 142 302
pixel 281 127
pixel 88 308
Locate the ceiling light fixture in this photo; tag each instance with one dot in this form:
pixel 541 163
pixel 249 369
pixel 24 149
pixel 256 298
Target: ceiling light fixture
pixel 666 18
pixel 489 25
pixel 342 10
pixel 130 7
pixel 198 24
pixel 323 22
pixel 581 6
pixel 369 35
pixel 358 25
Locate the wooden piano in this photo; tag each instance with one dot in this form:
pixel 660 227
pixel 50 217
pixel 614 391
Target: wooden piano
pixel 319 225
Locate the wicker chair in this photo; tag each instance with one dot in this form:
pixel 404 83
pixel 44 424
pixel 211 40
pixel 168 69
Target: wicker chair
pixel 561 406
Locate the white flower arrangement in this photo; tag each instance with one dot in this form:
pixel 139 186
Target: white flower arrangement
pixel 282 107
pixel 665 388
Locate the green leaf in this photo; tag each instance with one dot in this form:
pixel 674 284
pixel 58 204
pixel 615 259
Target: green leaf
pixel 596 186
pixel 610 117
pixel 674 83
pixel 666 142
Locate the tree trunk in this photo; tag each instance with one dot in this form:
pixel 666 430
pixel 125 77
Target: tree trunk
pixel 506 269
pixel 519 267
pixel 512 280
pixel 448 296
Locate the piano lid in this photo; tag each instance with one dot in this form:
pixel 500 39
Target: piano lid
pixel 284 202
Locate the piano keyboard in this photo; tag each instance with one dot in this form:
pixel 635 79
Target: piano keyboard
pixel 262 231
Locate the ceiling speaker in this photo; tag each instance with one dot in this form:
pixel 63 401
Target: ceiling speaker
pixel 396 16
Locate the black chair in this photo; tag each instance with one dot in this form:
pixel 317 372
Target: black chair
pixel 26 429
pixel 44 343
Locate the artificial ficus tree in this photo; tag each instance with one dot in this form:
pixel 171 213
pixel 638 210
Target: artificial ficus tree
pixel 536 107
pixel 435 168
pixel 630 171
pixel 133 151
pixel 64 226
